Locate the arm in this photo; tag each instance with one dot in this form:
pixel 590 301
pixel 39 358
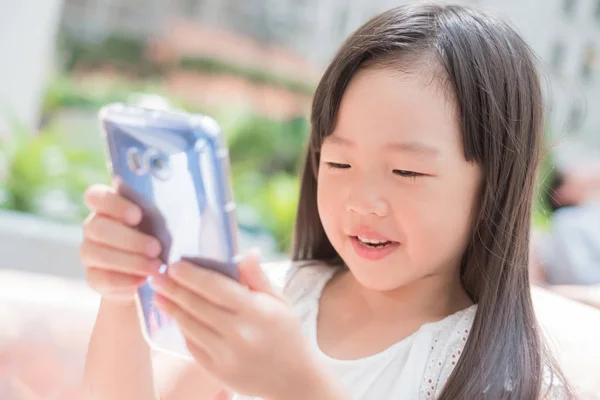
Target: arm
pixel 120 365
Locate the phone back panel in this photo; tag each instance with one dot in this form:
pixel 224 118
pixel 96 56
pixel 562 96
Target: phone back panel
pixel 175 166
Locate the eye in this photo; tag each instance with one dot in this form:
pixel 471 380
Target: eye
pixel 406 174
pixel 335 165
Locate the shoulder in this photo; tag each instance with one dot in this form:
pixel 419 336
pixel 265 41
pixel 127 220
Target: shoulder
pixel 446 341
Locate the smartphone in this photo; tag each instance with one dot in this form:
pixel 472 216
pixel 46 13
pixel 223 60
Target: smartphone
pixel 175 166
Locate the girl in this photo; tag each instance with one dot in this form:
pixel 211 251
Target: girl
pixel 409 278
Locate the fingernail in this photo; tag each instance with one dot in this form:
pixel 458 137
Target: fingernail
pixel 132 215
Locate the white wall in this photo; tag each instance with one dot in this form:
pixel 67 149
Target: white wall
pixel 27 39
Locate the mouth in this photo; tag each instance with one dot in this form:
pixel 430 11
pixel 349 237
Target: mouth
pixel 373 243
pixel 373 247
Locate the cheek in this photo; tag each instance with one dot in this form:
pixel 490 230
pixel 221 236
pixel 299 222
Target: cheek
pixel 329 203
pixel 438 224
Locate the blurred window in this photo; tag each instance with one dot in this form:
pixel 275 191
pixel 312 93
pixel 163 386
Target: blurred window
pixel 342 21
pixel 569 7
pixel 590 63
pixel 190 7
pixel 557 57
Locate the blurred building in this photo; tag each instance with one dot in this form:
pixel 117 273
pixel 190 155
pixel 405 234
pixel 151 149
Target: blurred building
pixel 26 45
pixel 566 36
pixel 95 19
pixel 564 33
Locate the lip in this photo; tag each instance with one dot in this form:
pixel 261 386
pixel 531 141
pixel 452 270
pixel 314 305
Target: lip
pixel 370 234
pixel 373 253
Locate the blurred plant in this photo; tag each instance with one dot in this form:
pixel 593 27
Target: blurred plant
pixel 268 146
pixel 42 174
pixel 265 159
pixel 127 54
pixel 65 92
pixel 279 207
pixel 542 215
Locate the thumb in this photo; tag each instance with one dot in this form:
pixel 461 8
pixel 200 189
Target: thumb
pixel 252 275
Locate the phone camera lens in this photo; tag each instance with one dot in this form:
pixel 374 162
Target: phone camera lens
pixel 134 161
pixel 158 164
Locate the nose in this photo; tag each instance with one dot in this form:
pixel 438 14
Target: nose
pixel 366 199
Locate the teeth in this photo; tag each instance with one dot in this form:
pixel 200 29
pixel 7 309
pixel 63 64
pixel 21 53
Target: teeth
pixel 371 241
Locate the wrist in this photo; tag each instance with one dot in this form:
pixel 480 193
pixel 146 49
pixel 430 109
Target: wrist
pixel 315 384
pixel 124 302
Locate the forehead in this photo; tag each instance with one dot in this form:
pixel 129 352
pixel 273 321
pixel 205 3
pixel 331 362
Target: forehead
pixel 382 105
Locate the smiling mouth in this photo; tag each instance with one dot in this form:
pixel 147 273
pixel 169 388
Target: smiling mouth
pixel 373 243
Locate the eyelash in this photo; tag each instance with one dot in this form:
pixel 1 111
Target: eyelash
pixel 407 174
pixel 334 165
pixel 400 172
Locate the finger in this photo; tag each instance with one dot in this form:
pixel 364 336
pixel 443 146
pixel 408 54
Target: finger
pixel 104 200
pixel 245 278
pixel 199 355
pixel 99 256
pixel 113 283
pixel 212 316
pixel 194 331
pixel 110 233
pixel 252 274
pixel 213 286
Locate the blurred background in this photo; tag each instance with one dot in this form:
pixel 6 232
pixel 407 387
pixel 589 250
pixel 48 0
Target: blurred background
pixel 252 65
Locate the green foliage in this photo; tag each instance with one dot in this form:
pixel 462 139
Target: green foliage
pixel 65 93
pixel 542 214
pixel 265 158
pixel 124 53
pixel 268 146
pixel 44 175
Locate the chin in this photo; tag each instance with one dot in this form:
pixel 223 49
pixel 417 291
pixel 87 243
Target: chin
pixel 381 276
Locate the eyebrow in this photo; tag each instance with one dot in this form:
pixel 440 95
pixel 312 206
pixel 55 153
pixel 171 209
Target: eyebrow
pixel 416 147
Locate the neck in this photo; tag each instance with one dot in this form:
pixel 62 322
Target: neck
pixel 430 298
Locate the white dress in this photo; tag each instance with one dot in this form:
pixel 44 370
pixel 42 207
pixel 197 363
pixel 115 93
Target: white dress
pixel 415 368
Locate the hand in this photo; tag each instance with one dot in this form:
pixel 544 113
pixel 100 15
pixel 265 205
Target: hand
pixel 116 256
pixel 245 334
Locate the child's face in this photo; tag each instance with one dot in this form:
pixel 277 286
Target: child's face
pixel 394 169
